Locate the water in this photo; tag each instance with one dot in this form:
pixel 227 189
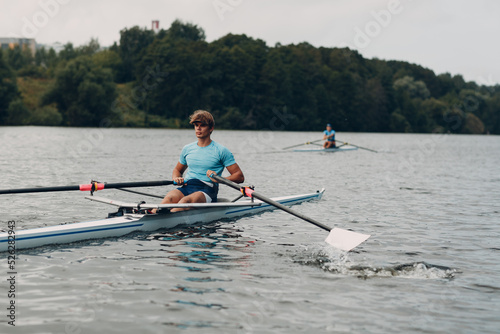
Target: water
pixel 431 204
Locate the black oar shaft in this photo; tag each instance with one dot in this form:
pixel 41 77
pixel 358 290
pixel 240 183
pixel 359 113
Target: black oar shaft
pixel 290 211
pixel 271 202
pixel 138 184
pixel 86 187
pixel 38 190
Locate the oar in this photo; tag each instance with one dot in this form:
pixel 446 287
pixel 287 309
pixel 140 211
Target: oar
pixel 306 143
pixel 338 238
pixel 94 186
pixel 363 148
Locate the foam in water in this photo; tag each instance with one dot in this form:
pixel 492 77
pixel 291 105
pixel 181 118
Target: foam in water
pixel 338 262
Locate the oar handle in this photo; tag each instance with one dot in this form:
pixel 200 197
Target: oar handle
pixel 247 191
pixel 94 186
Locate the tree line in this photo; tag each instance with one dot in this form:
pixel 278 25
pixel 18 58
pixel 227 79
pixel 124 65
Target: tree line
pixel 157 79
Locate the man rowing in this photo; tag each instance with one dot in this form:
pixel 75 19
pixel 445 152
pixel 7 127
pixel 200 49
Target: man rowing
pixel 201 159
pixel 329 137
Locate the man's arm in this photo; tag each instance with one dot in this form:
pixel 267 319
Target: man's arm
pixel 179 169
pixel 236 174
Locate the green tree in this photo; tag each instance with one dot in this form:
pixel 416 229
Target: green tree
pixel 473 125
pixel 17 58
pixel 133 44
pixel 83 92
pixel 398 123
pixel 47 116
pixel 68 52
pixel 89 49
pixel 173 76
pixel 273 88
pixel 345 117
pixel 185 31
pixel 8 88
pixel 492 118
pixel 17 113
pixel 376 106
pixel 416 89
pixel 51 58
pixel 41 57
pixel 436 110
pixel 473 101
pixel 109 59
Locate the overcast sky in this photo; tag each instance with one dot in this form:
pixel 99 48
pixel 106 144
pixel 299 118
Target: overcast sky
pixel 455 36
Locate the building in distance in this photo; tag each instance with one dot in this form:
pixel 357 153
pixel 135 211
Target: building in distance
pixel 23 43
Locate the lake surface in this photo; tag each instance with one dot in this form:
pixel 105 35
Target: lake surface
pixel 430 202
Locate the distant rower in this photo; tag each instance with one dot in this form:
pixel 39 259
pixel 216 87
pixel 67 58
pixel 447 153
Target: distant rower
pixel 329 136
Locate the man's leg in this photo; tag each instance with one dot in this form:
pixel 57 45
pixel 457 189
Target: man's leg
pixel 173 196
pixel 196 197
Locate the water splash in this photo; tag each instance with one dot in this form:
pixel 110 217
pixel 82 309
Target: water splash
pixel 415 270
pixel 338 262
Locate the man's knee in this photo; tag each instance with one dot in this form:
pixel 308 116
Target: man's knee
pixel 185 199
pixel 173 196
pixel 196 197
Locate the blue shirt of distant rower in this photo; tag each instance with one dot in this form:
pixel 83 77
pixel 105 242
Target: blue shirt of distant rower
pixel 328 133
pixel 200 159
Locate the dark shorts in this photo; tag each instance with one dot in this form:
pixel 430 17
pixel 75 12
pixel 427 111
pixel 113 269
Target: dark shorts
pixel 195 185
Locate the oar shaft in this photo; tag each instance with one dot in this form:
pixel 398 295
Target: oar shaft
pixel 290 211
pixel 306 143
pixel 138 184
pixel 38 190
pixel 88 187
pixel 363 148
pixel 270 202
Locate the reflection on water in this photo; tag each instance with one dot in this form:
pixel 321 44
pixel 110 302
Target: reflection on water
pixel 212 245
pixel 203 250
pixel 180 288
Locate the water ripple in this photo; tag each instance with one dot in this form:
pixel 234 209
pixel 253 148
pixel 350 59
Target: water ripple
pixel 431 265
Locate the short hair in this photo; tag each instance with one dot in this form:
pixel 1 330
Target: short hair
pixel 202 116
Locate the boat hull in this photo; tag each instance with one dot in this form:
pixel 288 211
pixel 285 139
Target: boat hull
pixel 128 223
pixel 334 149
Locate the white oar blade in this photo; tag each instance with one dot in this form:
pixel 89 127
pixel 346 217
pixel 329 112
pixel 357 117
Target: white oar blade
pixel 345 240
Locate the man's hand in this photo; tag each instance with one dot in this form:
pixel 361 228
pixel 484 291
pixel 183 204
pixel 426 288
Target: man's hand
pixel 179 180
pixel 210 172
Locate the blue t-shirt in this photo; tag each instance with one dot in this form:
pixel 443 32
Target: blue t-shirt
pixel 200 159
pixel 332 132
